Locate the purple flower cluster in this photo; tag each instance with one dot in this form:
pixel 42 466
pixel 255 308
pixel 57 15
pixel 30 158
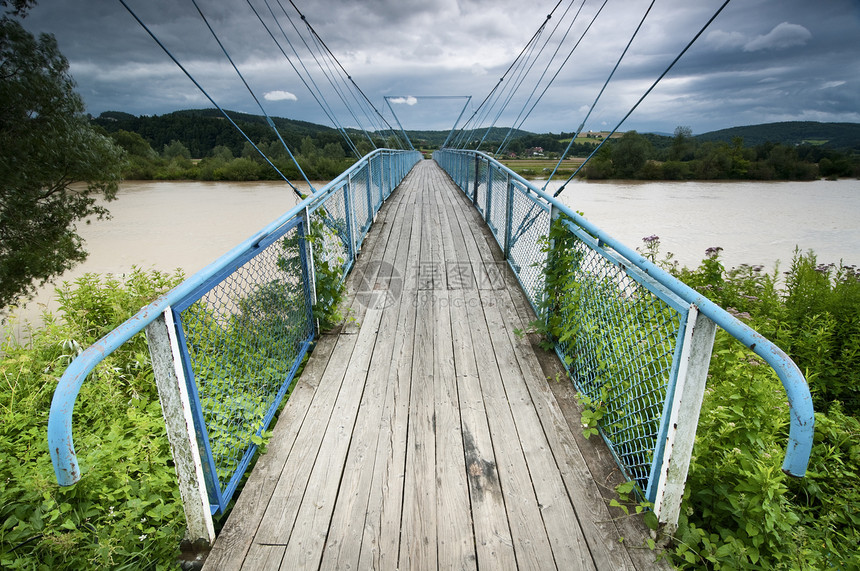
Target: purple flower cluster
pixel 651 239
pixel 713 251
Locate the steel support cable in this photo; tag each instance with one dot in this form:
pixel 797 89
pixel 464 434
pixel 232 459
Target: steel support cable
pixel 501 79
pixel 513 86
pixel 348 76
pixel 251 91
pixel 364 105
pixel 319 65
pixel 457 142
pixel 596 99
pixel 322 103
pixel 563 63
pixel 503 145
pixel 330 110
pixel 335 80
pixel 644 95
pixel 209 97
pixel 527 223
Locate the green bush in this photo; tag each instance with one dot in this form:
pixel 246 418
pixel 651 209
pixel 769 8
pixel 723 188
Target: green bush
pixel 125 512
pixel 740 511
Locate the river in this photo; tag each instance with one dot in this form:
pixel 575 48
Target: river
pixel 169 225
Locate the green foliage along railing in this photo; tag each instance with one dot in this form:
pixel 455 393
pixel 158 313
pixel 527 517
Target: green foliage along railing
pixel 619 341
pixel 242 336
pixel 621 326
pixel 244 323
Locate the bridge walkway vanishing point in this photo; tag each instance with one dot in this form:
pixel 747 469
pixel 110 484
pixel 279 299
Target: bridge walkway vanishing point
pixel 424 434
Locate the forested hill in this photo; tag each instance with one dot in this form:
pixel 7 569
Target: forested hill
pixel 201 130
pixel 791 133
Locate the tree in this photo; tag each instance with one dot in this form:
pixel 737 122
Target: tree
pixel 683 145
pixel 629 153
pixel 46 147
pixel 176 149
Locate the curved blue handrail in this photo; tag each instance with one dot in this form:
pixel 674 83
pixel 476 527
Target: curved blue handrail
pixel 802 415
pixel 60 441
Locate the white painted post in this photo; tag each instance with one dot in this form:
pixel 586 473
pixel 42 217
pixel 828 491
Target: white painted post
pixel 684 418
pixel 176 408
pixel 309 255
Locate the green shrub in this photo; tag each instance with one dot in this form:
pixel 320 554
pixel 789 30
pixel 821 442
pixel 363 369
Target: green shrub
pixel 740 511
pixel 125 512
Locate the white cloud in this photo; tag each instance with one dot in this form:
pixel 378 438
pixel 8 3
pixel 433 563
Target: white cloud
pixel 279 95
pixel 407 100
pixel 720 40
pixel 785 35
pixel 832 84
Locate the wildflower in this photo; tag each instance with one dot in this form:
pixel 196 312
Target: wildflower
pixel 713 251
pixel 650 239
pixel 142 537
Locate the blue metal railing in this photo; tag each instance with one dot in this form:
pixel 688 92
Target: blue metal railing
pixel 244 322
pixel 625 317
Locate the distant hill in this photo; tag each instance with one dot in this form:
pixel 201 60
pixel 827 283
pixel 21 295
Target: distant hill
pixel 831 135
pixel 436 138
pixel 200 130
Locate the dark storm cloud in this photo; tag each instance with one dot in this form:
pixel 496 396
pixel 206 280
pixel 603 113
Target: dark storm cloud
pixel 761 60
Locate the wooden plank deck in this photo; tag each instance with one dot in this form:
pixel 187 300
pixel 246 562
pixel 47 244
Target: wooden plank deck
pixel 424 433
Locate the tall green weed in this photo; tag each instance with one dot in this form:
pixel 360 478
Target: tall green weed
pixel 740 511
pixel 125 512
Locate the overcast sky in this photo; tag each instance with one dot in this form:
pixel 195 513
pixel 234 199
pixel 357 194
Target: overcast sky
pixel 759 61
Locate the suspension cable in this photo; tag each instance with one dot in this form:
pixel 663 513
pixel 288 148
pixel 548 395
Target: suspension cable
pixel 209 97
pixel 315 91
pixel 563 63
pixel 348 76
pixel 548 64
pixel 524 69
pixel 596 99
pixel 644 95
pixel 251 91
pixel 496 86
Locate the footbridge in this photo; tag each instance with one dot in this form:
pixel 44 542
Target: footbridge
pixel 434 426
pixel 428 429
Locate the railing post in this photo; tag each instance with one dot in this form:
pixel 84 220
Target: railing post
pixel 509 214
pixel 351 220
pixel 489 205
pixel 309 254
pixel 684 415
pixel 176 408
pixel 371 207
pixel 475 186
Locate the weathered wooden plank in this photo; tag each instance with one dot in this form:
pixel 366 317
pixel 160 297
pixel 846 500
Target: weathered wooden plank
pixel 345 533
pixel 361 283
pixel 568 544
pixel 307 539
pixel 531 544
pixel 381 540
pixel 277 523
pixel 462 210
pixel 487 250
pixel 456 544
pixel 262 557
pixel 582 462
pixel 493 543
pixel 418 532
